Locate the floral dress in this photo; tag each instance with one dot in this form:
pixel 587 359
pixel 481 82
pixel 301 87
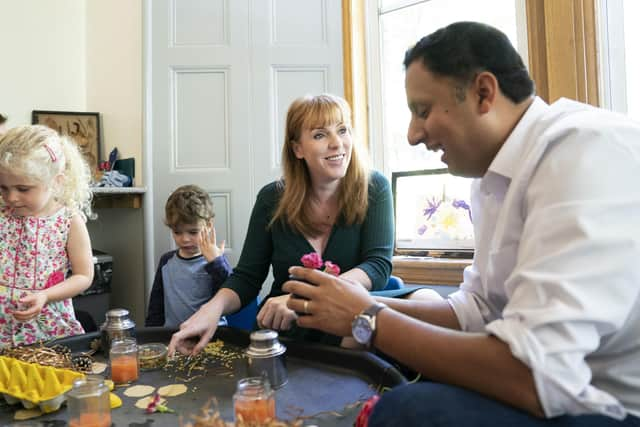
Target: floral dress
pixel 33 257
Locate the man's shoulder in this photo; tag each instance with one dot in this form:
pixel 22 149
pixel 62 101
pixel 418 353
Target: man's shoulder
pixel 567 113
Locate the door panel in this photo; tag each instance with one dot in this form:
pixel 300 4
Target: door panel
pixel 222 74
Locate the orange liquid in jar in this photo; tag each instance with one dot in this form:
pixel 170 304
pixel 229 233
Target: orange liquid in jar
pixel 255 410
pixel 91 419
pixel 124 369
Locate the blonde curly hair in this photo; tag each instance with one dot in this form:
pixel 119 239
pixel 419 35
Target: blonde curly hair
pixel 40 153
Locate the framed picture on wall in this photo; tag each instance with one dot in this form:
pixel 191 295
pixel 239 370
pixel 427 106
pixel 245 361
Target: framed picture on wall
pixel 82 127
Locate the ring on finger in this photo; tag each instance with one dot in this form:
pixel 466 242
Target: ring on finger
pixel 306 307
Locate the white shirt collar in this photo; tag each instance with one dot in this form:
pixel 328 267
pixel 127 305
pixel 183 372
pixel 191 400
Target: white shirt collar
pixel 504 164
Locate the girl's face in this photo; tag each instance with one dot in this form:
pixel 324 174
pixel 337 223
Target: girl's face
pixel 326 150
pixel 26 196
pixel 187 238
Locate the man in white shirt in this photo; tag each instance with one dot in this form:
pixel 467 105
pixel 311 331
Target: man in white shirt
pixel 545 328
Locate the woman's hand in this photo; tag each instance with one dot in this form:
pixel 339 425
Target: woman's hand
pixel 208 245
pixel 34 303
pixel 195 332
pixel 330 305
pixel 276 315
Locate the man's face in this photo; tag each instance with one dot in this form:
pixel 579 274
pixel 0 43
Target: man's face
pixel 445 116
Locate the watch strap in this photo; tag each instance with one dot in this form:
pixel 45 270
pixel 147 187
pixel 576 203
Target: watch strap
pixel 374 308
pixel 372 311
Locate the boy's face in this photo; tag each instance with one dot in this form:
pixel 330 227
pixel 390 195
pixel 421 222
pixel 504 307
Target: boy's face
pixel 187 238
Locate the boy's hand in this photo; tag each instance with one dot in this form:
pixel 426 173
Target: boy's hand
pixel 208 245
pixel 34 303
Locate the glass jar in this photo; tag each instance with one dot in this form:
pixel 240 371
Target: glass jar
pixel 254 401
pixel 117 326
pixel 123 357
pixel 88 403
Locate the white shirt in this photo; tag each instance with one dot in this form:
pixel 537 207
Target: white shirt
pixel 556 269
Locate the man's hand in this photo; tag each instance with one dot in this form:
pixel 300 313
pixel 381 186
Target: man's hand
pixel 330 305
pixel 34 303
pixel 208 245
pixel 275 314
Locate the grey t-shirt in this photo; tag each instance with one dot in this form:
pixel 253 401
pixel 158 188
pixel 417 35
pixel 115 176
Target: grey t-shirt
pixel 182 286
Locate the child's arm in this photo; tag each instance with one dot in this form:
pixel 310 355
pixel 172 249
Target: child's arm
pixel 208 245
pixel 219 269
pixel 81 260
pixel 155 315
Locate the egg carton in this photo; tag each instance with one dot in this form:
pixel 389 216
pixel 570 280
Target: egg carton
pixel 35 385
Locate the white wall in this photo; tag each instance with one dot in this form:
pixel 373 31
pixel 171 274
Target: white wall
pixel 84 55
pixel 43 63
pixel 114 75
pixel 73 55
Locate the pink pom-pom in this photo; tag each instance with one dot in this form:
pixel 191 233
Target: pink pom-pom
pixel 311 260
pixel 331 268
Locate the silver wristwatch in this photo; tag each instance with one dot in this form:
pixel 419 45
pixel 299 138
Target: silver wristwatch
pixel 363 327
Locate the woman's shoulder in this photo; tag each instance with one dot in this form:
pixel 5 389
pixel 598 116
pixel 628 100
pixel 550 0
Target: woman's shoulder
pixel 271 192
pixel 377 181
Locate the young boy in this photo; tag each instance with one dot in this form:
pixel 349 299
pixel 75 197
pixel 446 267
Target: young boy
pixel 191 275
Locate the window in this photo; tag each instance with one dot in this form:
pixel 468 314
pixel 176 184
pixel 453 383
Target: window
pixel 618 34
pixel 397 24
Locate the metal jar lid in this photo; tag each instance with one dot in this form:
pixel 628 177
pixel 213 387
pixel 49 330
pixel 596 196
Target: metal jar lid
pixel 264 343
pixel 117 319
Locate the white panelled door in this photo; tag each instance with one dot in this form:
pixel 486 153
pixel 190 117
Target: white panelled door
pixel 222 74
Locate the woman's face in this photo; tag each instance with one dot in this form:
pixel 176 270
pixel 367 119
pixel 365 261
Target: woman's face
pixel 326 150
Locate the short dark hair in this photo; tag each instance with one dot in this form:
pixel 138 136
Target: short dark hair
pixel 188 204
pixel 2 119
pixel 463 49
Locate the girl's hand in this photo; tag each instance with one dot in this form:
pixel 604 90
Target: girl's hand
pixel 208 245
pixel 34 303
pixel 276 315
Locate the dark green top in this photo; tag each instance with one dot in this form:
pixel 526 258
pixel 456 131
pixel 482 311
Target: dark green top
pixel 368 246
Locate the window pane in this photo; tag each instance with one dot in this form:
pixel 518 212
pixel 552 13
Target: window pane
pixel 399 30
pixel 429 214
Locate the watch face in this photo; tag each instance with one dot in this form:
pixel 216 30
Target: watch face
pixel 361 330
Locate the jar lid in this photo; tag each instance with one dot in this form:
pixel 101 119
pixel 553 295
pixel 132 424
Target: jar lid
pixel 264 343
pixel 118 318
pixel 90 386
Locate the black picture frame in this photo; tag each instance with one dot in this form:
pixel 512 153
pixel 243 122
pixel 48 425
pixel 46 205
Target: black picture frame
pixel 82 127
pixel 420 247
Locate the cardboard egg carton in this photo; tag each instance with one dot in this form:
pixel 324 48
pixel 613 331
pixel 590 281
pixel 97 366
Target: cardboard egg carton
pixel 35 385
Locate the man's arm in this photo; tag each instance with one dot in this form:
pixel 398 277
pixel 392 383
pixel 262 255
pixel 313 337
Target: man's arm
pixel 437 312
pixel 475 361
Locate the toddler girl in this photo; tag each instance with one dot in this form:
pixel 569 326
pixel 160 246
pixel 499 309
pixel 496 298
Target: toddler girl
pixel 44 182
